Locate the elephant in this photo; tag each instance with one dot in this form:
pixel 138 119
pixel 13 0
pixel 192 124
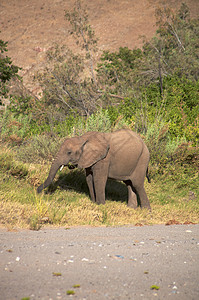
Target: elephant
pixel 121 155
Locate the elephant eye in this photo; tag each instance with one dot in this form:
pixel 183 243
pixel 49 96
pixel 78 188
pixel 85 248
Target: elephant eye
pixel 69 152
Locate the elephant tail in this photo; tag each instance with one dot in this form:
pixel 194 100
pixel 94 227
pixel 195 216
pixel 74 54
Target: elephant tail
pixel 147 175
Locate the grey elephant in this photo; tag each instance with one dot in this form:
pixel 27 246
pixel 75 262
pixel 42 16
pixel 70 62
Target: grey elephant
pixel 120 155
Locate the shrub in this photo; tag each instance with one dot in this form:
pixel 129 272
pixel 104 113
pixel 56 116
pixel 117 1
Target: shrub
pixel 14 128
pixel 161 146
pixel 102 120
pixel 43 147
pixel 7 71
pixel 38 149
pixel 183 167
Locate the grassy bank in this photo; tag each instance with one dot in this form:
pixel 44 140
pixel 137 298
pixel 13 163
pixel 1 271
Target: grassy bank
pixel 67 203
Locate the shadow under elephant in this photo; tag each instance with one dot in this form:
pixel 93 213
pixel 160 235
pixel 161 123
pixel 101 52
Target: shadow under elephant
pixel 75 180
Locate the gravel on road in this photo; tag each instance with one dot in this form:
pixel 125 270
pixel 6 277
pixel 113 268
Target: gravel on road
pixel 149 262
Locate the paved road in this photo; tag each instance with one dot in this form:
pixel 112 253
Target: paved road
pixel 107 263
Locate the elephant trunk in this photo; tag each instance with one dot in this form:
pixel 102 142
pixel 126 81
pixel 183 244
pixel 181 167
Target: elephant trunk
pixel 53 170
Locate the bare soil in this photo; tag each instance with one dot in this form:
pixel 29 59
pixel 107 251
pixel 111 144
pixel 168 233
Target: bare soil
pixel 32 27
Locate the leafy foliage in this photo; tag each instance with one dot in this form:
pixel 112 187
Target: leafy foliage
pixel 139 86
pixel 7 70
pixel 115 70
pixel 160 81
pixel 14 129
pixel 40 148
pixel 179 38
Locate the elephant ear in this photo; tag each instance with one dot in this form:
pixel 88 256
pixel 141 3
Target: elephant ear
pixel 94 149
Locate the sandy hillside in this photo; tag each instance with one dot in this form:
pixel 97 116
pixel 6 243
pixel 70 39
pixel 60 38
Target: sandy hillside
pixel 33 26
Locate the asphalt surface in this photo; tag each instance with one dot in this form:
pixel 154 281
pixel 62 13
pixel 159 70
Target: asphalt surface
pixel 106 263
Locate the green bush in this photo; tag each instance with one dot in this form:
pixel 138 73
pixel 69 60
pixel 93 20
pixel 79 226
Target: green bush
pixel 172 158
pixel 14 128
pixel 102 120
pixel 20 105
pixel 99 121
pixel 162 147
pixel 183 167
pixel 7 71
pixel 38 149
pixel 43 147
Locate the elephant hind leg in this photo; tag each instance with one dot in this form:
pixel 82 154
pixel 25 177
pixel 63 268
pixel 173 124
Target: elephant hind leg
pixel 143 199
pixel 138 177
pixel 132 195
pixel 138 184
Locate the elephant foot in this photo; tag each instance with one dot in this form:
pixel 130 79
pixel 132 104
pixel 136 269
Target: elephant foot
pixel 132 201
pixel 101 202
pixel 147 206
pixel 132 205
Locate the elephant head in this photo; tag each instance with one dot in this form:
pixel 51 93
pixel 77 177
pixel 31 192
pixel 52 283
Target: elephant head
pixel 82 151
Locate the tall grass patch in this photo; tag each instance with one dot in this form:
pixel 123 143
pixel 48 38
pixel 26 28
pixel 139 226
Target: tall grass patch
pixel 67 203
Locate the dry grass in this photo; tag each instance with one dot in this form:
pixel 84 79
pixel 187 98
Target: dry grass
pixel 14 214
pixel 83 212
pixel 69 205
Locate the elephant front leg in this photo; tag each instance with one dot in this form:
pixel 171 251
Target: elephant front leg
pixel 89 180
pixel 100 174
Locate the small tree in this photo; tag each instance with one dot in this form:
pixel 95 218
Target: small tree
pixel 175 48
pixel 83 33
pixel 65 82
pixel 7 71
pixel 66 89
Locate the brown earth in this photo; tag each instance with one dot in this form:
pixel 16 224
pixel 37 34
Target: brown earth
pixel 32 27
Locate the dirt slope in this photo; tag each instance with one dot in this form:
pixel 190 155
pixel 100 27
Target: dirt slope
pixel 32 27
